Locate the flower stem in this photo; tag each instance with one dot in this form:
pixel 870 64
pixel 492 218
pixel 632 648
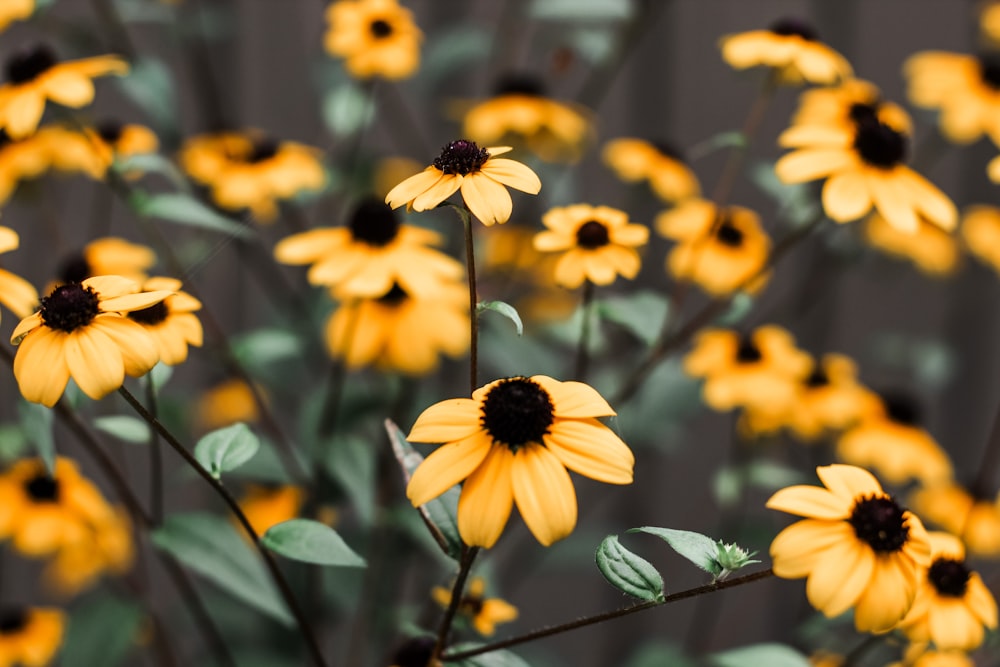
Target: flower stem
pixel 470 257
pixel 983 486
pixel 155 461
pixel 279 579
pixel 465 566
pixel 582 356
pixel 608 615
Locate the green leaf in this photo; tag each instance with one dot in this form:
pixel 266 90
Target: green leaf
pixel 160 375
pixel 124 427
pixel 210 546
pixel 582 10
pixel 153 163
pixel 729 482
pixel 772 655
pixel 311 542
pixel 642 313
pixel 266 346
pixel 348 108
pixel 36 425
pixel 740 306
pixel 150 85
pixel 351 462
pixel 226 448
pixel 12 442
pixel 729 139
pixel 505 309
pixel 628 572
pixel 186 210
pixel 658 655
pixel 441 514
pixel 101 632
pixel 697 548
pixel 797 203
pixel 456 49
pixel 491 659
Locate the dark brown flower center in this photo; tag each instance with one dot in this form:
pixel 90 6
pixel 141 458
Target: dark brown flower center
pixel 70 307
pixel 818 378
pixel 794 26
pixel 728 234
pixel 380 29
pixel 989 69
pixel 471 605
pixel 416 652
pixel 42 489
pixel 4 138
pixel 74 269
pixel 748 352
pixel 395 296
pixel 592 234
pixel 901 409
pixel 949 577
pixel 461 157
pixel 879 522
pixel 12 620
pixel 374 223
pixel 517 411
pixel 26 65
pixel 519 84
pixel 154 314
pixel 262 150
pixel 879 145
pixel 110 131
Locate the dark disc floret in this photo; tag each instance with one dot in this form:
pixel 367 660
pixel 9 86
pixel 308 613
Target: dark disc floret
pixel 154 314
pixel 879 145
pixel 27 64
pixel 4 138
pixel 818 377
pixel 901 409
pixel 879 522
pixel 728 234
pixel 748 352
pixel 395 296
pixel 989 69
pixel 592 234
pixel 667 149
pixel 110 130
pixel 74 269
pixel 42 489
pixel 262 149
pixel 519 84
pixel 380 28
pixel 517 411
pixel 461 157
pixel 949 577
pixel 794 26
pixel 471 605
pixel 70 307
pixel 12 620
pixel 374 222
pixel 415 652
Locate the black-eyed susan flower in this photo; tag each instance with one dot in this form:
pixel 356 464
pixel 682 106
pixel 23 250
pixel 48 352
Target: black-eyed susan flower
pixel 401 331
pixel 15 10
pixel 930 248
pixel 81 332
pixel 107 549
pixel 720 250
pixel 856 545
pixel 791 48
pixel 226 403
pixel 376 38
pixel 21 160
pixel 30 636
pixel 172 323
pixel 484 613
pixel 16 293
pixel 892 442
pixel 974 519
pixel 482 177
pixel 73 151
pixel 371 253
pixel 107 256
pixel 113 140
pixel 830 398
pixel 658 163
pixel 921 654
pixel 266 506
pixel 512 442
pixel 980 232
pixel 598 243
pixel 964 88
pixel 832 106
pixel 36 75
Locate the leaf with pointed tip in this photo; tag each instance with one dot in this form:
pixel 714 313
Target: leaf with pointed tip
pixel 628 572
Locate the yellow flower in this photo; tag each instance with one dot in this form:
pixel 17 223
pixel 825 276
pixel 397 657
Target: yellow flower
pixel 893 443
pixel 171 322
pixel 21 160
pixel 107 256
pixel 376 38
pixel 226 403
pixel 834 106
pixel 639 160
pixel 830 398
pixel 952 603
pixel 267 506
pixel 16 293
pixel 80 332
pixel 981 233
pixel 107 549
pixel 975 520
pixel 74 151
pixel 110 141
pixel 826 659
pixel 966 89
pixel 790 47
pixel 15 10
pixel 598 244
pixel 30 636
pixel 401 331
pixel 35 75
pixel 512 442
pixel 921 655
pixel 719 250
pixel 477 172
pixel 933 250
pixel 857 547
pixel 989 22
pixel 365 258
pixel 484 612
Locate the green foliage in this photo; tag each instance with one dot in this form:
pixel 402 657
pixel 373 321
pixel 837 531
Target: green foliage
pixel 153 163
pixel 348 108
pixel 659 655
pixel 36 425
pixel 186 210
pixel 124 427
pixel 491 659
pixel 13 442
pixel 628 572
pixel 311 542
pixel 582 10
pixel 150 85
pixel 641 313
pixel 730 482
pixel 351 462
pixel 504 309
pixel 715 557
pixel 226 449
pixel 770 654
pixel 101 632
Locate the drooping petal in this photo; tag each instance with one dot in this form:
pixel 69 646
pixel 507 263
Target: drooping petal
pixel 412 187
pixel 137 347
pixel 513 174
pixel 447 421
pixel 846 197
pixel 26 326
pixel 487 199
pixel 590 448
pixel 952 626
pixel 888 597
pixel 443 188
pixel 839 576
pixel 544 494
pixel 94 361
pixel 796 549
pixel 445 467
pixel 574 400
pixel 487 499
pixel 40 366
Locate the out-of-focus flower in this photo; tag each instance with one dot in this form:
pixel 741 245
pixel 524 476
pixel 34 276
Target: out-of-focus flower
pixel 975 520
pixel 15 10
pixel 172 322
pixel 266 506
pixel 376 38
pixel 391 171
pixel 16 293
pixel 930 248
pixel 791 48
pixel 107 256
pixel 989 22
pixel 226 403
pixel 485 613
pixel 107 548
pixel 920 654
pixel 661 165
pixel 30 636
pixel 21 160
pixel 981 233
pixel 963 87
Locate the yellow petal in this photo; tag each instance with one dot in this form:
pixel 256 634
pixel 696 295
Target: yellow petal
pixel 810 501
pixel 486 500
pixel 888 597
pixel 447 421
pixel 574 400
pixel 839 577
pixel 796 549
pixel 94 361
pixel 129 302
pixel 487 199
pixel 849 482
pixel 445 467
pixel 846 197
pixel 137 348
pixel 445 186
pixel 952 626
pixel 513 174
pixel 25 326
pixel 412 187
pixel 544 494
pixel 590 448
pixel 40 366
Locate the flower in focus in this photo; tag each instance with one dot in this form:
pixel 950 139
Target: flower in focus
pixel 30 636
pixel 512 442
pixel 80 332
pixel 484 612
pixel 976 521
pixel 225 404
pixel 952 604
pixel 965 88
pixel 981 233
pixel 171 322
pixel 401 331
pixel 371 253
pixel 598 244
pixel 661 165
pixel 791 48
pixel 107 256
pixel 107 548
pixel 16 293
pixel 477 172
pixel 15 10
pixel 376 38
pixel 266 506
pixel 246 170
pixel 35 75
pixel 892 442
pixel 930 248
pixel 857 547
pixel 719 250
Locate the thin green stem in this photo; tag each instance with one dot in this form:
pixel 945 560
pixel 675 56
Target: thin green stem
pixel 465 566
pixel 583 348
pixel 470 258
pixel 155 460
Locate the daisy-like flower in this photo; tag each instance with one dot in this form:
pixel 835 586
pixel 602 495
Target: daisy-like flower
pixel 520 113
pixel 81 332
pixel 107 549
pixel 35 75
pixel 482 177
pixel 892 442
pixel 830 398
pixel 266 506
pixel 30 636
pixel 865 168
pixel 226 403
pixel 15 10
pixel 16 293
pixel 485 613
pixel 965 88
pixel 113 140
pixel 930 248
pixel 512 443
pixel 718 250
pixel 980 232
pixel 246 170
pixel 974 519
pixel 172 322
pixel 952 605
pixel 401 331
pixel 832 106
pixel 376 38
pixel 921 655
pixel 365 258
pixel 107 256
pixel 658 163
pixel 74 151
pixel 857 547
pixel 791 48
pixel 598 244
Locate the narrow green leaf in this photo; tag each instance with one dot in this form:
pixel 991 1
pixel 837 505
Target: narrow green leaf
pixel 160 375
pixel 186 210
pixel 266 346
pixel 771 654
pixel 12 442
pixel 642 313
pixel 628 572
pixel 124 427
pixel 739 307
pixel 504 309
pixel 582 10
pixel 347 109
pixel 311 542
pixel 101 632
pixel 150 85
pixel 697 548
pixel 36 424
pixel 153 163
pixel 226 448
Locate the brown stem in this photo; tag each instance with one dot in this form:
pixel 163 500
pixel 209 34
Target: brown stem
pixel 465 566
pixel 582 355
pixel 470 254
pixel 155 461
pixel 983 486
